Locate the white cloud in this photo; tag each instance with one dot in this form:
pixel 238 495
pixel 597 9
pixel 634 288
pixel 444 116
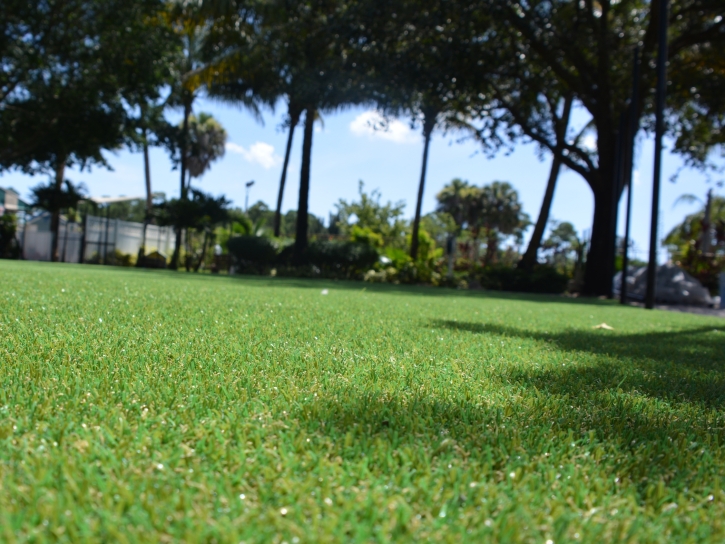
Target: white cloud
pixel 636 178
pixel 259 153
pixel 396 131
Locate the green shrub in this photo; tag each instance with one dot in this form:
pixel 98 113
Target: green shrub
pixel 342 259
pixel 542 279
pixel 252 254
pixel 365 235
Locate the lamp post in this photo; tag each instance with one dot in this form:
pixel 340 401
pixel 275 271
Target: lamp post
pixel 246 199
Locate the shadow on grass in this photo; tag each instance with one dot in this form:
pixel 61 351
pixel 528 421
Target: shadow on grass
pixel 398 434
pixel 685 365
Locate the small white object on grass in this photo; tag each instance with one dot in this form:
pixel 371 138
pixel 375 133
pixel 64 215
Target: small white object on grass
pixel 324 292
pixel 603 326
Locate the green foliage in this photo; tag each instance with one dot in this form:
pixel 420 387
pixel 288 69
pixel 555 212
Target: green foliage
pixel 252 252
pixel 365 235
pixel 115 258
pixel 495 417
pixel 686 244
pixel 53 198
pixel 542 279
pixel 562 249
pixel 342 259
pixel 383 222
pixel 71 68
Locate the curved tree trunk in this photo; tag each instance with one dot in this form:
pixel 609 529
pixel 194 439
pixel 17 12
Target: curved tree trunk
pixel 528 260
pixel 55 215
pixel 184 189
pixel 301 234
pixel 428 124
pixel 294 116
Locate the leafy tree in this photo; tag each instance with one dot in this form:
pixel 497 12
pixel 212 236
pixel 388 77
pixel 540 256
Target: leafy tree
pixel 497 212
pixel 597 72
pixel 382 220
pixel 561 246
pixel 74 67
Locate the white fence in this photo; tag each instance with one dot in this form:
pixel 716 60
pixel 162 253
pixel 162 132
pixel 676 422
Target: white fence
pixel 102 238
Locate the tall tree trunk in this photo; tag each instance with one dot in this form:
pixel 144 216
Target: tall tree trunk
pixel 491 248
pixel 294 115
pixel 149 198
pixel 528 260
pixel 184 190
pixel 204 247
pixel 428 124
pixel 55 215
pixel 301 234
pixel 599 269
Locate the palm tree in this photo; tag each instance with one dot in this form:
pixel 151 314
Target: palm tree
pixel 420 54
pixel 498 212
pixel 453 199
pixel 188 22
pixel 206 144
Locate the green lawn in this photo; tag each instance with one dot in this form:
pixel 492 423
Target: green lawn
pixel 159 406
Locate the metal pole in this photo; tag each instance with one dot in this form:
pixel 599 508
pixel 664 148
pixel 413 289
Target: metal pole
pixel 616 192
pixel 659 131
pixel 82 256
pixel 629 164
pixel 105 239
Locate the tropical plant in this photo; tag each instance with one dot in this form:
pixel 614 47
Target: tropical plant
pixel 205 145
pixel 698 243
pixel 381 223
pixel 597 71
pixel 497 212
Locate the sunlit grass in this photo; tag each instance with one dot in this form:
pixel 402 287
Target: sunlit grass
pixel 159 406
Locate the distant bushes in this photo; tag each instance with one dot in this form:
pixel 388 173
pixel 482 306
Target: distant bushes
pixel 360 259
pixel 342 259
pixel 323 258
pixel 542 279
pixel 252 254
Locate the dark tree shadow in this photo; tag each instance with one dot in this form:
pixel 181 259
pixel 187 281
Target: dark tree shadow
pixel 498 435
pixel 682 366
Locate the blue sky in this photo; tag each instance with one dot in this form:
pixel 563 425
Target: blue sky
pixel 345 150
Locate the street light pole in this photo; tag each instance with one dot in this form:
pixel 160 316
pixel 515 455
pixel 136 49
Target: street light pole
pixel 659 131
pixel 246 198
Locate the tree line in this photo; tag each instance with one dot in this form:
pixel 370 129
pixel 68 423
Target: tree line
pixel 83 76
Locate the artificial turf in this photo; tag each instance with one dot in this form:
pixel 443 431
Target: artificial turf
pixel 160 406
